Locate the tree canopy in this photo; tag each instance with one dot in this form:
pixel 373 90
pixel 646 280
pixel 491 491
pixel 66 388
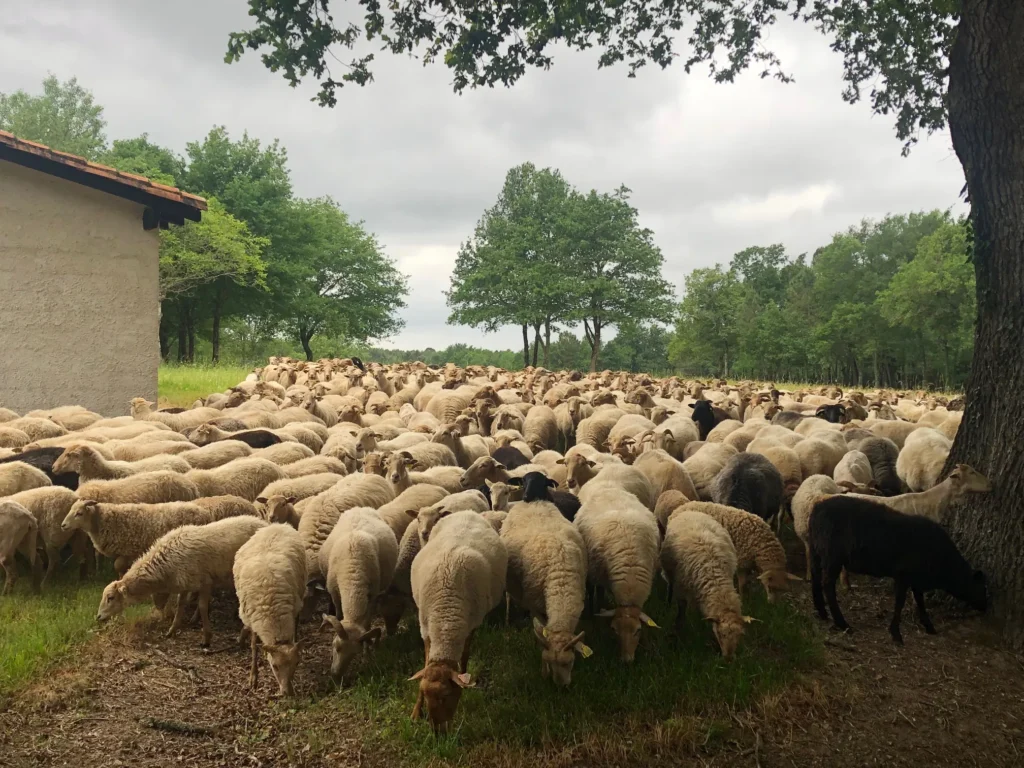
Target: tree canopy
pixel 63 117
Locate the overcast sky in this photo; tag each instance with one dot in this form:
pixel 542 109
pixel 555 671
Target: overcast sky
pixel 713 168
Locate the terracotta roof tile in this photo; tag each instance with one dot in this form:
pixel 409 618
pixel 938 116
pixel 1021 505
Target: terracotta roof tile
pixel 128 179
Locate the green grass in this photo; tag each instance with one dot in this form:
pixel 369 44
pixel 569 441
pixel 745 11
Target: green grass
pixel 679 690
pixel 182 385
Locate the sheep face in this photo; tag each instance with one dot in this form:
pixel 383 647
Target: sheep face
pixel 366 441
pixel 440 688
pixel 202 435
pixel 69 461
pixel 558 653
pixel 428 518
pixel 113 601
pixel 775 581
pixel 140 407
pixel 484 468
pixel 578 470
pixel 375 463
pixel 398 466
pixel 728 633
pixel 626 624
pixel 966 479
pixel 80 515
pixel 346 645
pixel 835 414
pixel 499 497
pixel 279 509
pixel 284 659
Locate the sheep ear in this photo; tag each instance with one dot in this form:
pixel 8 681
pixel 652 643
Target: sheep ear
pixel 418 675
pixel 692 405
pixel 539 631
pixel 372 636
pixel 591 463
pixel 413 513
pixel 552 483
pixel 793 577
pixel 463 680
pixel 292 499
pixel 329 622
pixel 515 482
pixel 560 461
pixel 648 621
pixel 607 613
pixel 750 620
pixel 261 500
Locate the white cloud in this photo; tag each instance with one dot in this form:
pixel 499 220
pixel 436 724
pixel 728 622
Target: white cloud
pixel 776 206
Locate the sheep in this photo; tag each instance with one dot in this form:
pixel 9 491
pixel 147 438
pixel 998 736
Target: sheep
pixel 431 454
pixel 707 417
pixel 750 482
pixel 135 450
pixel 664 473
pixel 456 580
pixel 123 532
pixel 148 488
pixel 317 521
pixel 192 558
pixel 35 428
pixel 704 465
pixel 315 465
pixel 13 438
pixel 464 501
pixel 358 560
pixel 18 532
pixel 220 507
pixel 17 476
pixel 700 560
pixel 42 459
pixel 140 410
pixel 539 487
pixel 307 433
pixel 787 462
pixel 269 573
pixel 594 430
pixel 242 477
pixel 853 471
pixel 897 431
pixel 6 415
pixel 756 546
pixel 924 454
pixel 215 454
pixel 90 464
pixel 867 537
pixel 398 474
pixel 883 455
pixel 819 456
pixel 301 487
pixel 723 429
pixel 583 474
pixel 465 448
pixel 283 454
pixel 414 498
pixel 621 537
pixel 811 490
pixel 510 457
pixel 679 432
pixel 205 434
pixel 934 502
pixel 49 505
pixel 547 575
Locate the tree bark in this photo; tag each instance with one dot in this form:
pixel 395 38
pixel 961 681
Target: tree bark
pixel 182 332
pixel 526 346
pixel 218 300
pixel 305 336
pixel 547 339
pixel 986 119
pixel 595 346
pixel 536 343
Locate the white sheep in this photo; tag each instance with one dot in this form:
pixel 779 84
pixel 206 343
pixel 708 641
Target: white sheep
pixel 358 560
pixel 897 431
pixel 315 465
pixel 547 575
pixel 466 448
pixel 17 476
pixel 401 478
pixel 242 477
pixel 665 473
pixel 284 454
pixel 269 572
pixel 464 501
pixel 18 531
pixel 216 454
pixel 540 428
pixel 147 488
pixel 784 459
pixel 699 560
pixel 583 473
pixel 89 463
pixel 49 505
pixel 301 487
pixel 919 465
pixel 854 471
pixel 934 502
pixel 703 467
pixel 397 513
pixel 621 537
pixel 192 558
pixel 812 490
pixel 456 580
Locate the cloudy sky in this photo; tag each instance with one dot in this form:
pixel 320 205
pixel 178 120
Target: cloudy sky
pixel 713 168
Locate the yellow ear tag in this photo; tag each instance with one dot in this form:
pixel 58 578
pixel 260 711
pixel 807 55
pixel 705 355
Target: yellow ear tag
pixel 544 632
pixel 650 623
pixel 584 650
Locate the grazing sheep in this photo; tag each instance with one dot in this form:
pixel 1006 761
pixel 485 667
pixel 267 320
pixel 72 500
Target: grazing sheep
pixel 216 454
pixel 867 537
pixel 883 455
pixel 456 579
pixel 750 482
pixel 397 513
pixel 148 488
pixel 16 476
pixel 284 454
pixel 242 477
pixel 358 560
pixel 924 454
pixel 547 575
pixel 621 537
pixel 588 477
pixel 465 448
pixel 854 471
pixel 18 533
pixel 90 464
pixel 934 502
pixel 700 560
pixel 756 546
pixel 668 503
pixel 301 487
pixel 704 465
pixel 897 431
pixel 192 558
pixel 270 579
pixel 539 487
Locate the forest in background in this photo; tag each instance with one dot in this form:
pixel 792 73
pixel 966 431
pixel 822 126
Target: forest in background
pixel 886 303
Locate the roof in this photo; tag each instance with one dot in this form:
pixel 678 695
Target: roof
pixel 164 205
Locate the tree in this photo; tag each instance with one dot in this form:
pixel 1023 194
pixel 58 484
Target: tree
pixel 338 281
pixel 212 253
pixel 145 158
pixel 616 267
pixel 64 117
pixel 514 270
pixel 706 334
pixel 927 62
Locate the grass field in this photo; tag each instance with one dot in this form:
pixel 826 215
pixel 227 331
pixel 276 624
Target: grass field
pixel 181 385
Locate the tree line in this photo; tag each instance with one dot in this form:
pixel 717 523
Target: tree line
pixel 263 265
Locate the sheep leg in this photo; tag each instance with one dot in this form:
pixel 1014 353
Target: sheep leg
pixel 52 558
pixel 741 581
pixel 12 573
pixel 817 595
pixel 922 614
pixel 254 662
pixel 845 578
pixel 464 662
pixel 831 576
pixel 897 611
pixel 204 614
pixel 179 615
pixel 680 615
pixel 417 710
pixel 807 553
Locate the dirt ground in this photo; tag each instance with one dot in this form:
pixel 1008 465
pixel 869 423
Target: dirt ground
pixel 133 698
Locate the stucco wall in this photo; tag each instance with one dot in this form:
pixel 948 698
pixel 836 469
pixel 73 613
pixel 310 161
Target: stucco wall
pixel 79 283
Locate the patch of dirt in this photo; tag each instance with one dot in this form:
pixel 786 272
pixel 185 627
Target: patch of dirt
pixel 134 698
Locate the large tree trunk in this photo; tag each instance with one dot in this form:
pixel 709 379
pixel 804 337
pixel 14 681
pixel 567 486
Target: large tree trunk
pixel 536 343
pixel 218 299
pixel 595 347
pixel 986 118
pixel 526 346
pixel 547 340
pixel 305 336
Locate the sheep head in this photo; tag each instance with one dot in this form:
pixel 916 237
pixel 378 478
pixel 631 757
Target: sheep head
pixel 81 515
pixel 375 463
pixel 113 601
pixel 966 479
pixel 70 460
pixel 728 632
pixel 347 643
pixel 280 509
pixel 776 580
pixel 558 652
pixel 440 688
pixel 284 660
pixel 578 469
pixel 484 468
pixel 626 624
pixel 398 466
pixel 140 407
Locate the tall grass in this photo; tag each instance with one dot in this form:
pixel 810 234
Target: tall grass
pixel 182 385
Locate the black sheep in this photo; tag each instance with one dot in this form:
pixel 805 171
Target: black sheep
pixel 707 416
pixel 867 537
pixel 257 438
pixel 538 487
pixel 882 453
pixel 511 458
pixel 835 414
pixel 42 459
pixel 749 481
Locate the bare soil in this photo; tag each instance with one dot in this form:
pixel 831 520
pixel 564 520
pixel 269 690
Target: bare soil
pixel 134 698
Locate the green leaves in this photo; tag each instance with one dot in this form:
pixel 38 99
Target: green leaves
pixel 64 117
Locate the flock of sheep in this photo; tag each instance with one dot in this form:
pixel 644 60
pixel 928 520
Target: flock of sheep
pixel 456 490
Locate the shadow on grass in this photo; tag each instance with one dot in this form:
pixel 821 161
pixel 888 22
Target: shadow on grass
pixel 678 692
